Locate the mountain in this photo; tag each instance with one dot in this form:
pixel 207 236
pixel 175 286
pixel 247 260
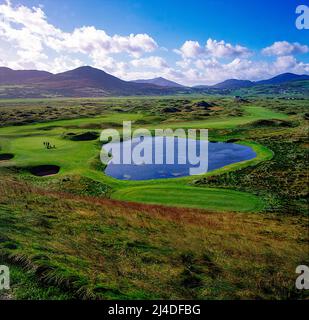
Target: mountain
pixel 9 76
pixel 91 82
pixel 86 77
pixel 285 77
pixel 81 82
pixel 162 82
pixel 232 84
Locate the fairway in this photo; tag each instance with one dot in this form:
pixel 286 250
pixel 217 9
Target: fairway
pixel 193 197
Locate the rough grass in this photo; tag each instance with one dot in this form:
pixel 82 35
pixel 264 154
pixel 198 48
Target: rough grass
pixel 93 248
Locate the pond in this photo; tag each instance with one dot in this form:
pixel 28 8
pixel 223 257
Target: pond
pixel 217 156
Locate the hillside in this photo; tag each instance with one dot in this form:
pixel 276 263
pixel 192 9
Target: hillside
pixel 9 76
pixel 80 82
pixel 233 84
pixel 283 78
pixel 162 82
pixel 286 90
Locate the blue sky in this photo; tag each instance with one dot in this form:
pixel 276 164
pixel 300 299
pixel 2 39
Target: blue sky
pixel 192 42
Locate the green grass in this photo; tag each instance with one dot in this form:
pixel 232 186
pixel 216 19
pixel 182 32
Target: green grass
pixel 25 286
pixel 212 199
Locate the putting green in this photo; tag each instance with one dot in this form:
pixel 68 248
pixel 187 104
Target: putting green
pixel 194 197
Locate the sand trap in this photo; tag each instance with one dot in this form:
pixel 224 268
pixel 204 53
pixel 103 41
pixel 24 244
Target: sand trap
pixel 45 170
pixel 233 140
pixel 272 123
pixel 6 156
pixel 87 136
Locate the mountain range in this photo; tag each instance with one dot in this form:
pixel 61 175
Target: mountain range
pixel 232 84
pixel 91 82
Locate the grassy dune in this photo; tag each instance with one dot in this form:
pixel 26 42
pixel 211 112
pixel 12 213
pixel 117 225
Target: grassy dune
pixel 252 113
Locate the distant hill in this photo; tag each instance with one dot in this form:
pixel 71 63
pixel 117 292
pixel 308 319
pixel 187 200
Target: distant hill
pixel 87 77
pixel 202 86
pixel 234 84
pixel 9 76
pixel 91 82
pixel 285 77
pixel 286 90
pixel 162 82
pixel 80 82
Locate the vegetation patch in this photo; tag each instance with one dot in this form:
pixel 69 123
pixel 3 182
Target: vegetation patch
pixel 94 248
pixel 273 123
pixel 203 104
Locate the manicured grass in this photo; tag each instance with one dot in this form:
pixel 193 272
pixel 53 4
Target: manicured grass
pixel 211 199
pixel 69 155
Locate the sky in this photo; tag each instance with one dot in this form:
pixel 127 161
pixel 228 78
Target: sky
pixel 192 42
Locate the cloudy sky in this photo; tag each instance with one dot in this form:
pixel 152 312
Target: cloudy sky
pixel 191 42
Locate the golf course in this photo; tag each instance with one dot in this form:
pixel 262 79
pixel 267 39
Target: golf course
pixel 68 230
pixel 153 156
pixel 79 157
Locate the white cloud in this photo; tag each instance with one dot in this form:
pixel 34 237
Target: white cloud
pixel 190 49
pixel 211 71
pixel 221 49
pixel 150 62
pixel 289 63
pixel 63 63
pixel 283 48
pixel 212 48
pixel 31 35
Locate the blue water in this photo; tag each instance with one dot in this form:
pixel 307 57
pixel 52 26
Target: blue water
pixel 219 155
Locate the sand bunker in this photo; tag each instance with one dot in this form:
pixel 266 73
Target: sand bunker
pixel 87 136
pixel 45 170
pixel 6 156
pixel 272 123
